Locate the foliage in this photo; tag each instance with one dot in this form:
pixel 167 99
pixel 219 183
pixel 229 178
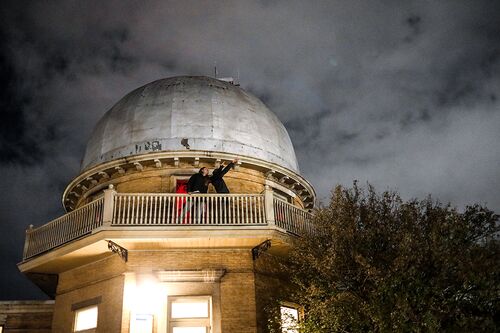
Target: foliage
pixel 381 264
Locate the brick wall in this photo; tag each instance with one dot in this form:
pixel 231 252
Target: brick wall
pixel 234 303
pixel 26 316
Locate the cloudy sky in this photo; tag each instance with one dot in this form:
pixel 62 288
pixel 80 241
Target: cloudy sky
pixel 403 94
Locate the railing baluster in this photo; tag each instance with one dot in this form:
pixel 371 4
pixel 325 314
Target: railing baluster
pixel 176 206
pixel 250 209
pixel 167 209
pixel 118 206
pixel 243 216
pixel 170 208
pixel 199 208
pixel 231 208
pixel 257 209
pixel 164 210
pixel 155 209
pixel 186 213
pixel 246 200
pixel 147 207
pixel 218 219
pixel 260 205
pixel 190 210
pixel 236 208
pixel 151 207
pixel 130 209
pixel 209 210
pixel 254 209
pixel 179 206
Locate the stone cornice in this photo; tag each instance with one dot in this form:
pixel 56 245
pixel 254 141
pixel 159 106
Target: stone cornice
pixel 99 177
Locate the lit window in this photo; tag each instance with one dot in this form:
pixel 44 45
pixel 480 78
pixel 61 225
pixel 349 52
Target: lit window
pixel 189 314
pixel 85 318
pixel 1 328
pixel 289 319
pixel 190 309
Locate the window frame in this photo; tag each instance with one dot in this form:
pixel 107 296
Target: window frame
pixel 75 317
pixel 300 314
pixel 190 321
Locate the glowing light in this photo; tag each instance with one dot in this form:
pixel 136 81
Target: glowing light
pixel 86 319
pixel 144 294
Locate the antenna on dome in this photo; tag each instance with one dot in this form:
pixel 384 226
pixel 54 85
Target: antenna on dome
pixel 215 69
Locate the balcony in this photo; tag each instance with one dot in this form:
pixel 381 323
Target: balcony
pixel 157 211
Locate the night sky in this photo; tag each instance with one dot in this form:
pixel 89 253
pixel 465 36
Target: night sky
pixel 402 94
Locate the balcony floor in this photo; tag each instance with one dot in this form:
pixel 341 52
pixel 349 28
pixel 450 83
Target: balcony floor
pixel 94 246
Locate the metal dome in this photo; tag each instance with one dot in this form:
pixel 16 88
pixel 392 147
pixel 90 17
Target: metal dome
pixel 212 115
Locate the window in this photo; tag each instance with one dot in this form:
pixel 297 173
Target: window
pixel 289 318
pixel 1 328
pixel 189 330
pixel 181 185
pixel 189 314
pixel 85 319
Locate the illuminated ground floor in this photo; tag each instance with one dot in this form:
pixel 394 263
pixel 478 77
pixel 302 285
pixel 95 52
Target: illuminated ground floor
pixel 174 290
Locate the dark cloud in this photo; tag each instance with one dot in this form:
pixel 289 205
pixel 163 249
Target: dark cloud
pixel 403 94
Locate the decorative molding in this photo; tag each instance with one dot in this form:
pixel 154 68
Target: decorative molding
pixel 270 174
pixel 74 194
pixel 120 170
pixel 203 275
pixel 281 187
pixel 138 166
pixel 121 251
pixel 261 248
pixel 82 187
pixel 103 172
pixel 103 175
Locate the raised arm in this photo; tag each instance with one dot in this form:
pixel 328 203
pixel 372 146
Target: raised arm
pixel 226 169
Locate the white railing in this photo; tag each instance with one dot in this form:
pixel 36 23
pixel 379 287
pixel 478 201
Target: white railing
pixel 115 210
pixel 188 209
pixel 292 218
pixel 64 229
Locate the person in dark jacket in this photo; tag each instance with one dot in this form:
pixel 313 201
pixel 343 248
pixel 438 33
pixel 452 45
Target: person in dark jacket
pixel 195 210
pixel 217 180
pixel 217 177
pixel 198 183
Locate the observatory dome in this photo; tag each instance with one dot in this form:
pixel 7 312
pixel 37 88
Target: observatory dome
pixel 190 112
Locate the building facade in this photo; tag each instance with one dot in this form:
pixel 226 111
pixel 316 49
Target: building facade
pixel 136 253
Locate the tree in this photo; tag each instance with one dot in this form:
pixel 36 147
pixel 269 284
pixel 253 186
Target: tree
pixel 381 264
